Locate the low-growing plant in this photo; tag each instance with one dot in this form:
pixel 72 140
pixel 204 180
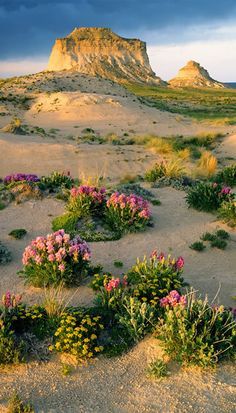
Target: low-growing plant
pixel 19 177
pixel 118 264
pixel 5 254
pixel 219 243
pixel 208 236
pixel 16 405
pixel 157 369
pixel 56 181
pixel 227 175
pixel 172 168
pixel 207 165
pixel 67 221
pixel 221 233
pixel 18 233
pixel 78 335
pixel 66 369
pixel 54 259
pixel 206 196
pixel 197 246
pixel 227 212
pixel 194 332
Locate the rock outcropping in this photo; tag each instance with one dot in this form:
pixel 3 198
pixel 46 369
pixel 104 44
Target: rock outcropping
pixel 100 52
pixel 194 75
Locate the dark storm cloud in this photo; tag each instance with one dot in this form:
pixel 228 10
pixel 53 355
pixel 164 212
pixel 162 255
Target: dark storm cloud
pixel 29 27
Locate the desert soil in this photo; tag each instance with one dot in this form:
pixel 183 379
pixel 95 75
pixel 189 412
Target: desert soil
pixel 118 385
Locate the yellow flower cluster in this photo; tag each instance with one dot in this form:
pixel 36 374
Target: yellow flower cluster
pixel 78 338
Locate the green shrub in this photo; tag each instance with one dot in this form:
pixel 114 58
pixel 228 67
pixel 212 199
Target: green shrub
pixel 196 333
pixel 16 405
pixel 208 236
pixel 11 349
pixel 197 246
pixel 172 168
pixel 157 369
pixel 5 255
pixel 56 181
pixel 78 335
pixel 221 233
pixel 227 212
pixel 18 233
pixel 152 279
pixel 227 175
pixel 208 197
pixel 137 318
pixel 118 264
pixel 219 243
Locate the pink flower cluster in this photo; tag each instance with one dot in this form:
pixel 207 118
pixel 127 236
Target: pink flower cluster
pixel 98 195
pixel 177 263
pixel 115 283
pixel 135 204
pixel 56 248
pixel 173 299
pixel 226 190
pixel 11 300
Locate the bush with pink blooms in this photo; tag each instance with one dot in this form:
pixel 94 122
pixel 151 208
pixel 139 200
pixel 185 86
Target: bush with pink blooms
pixel 208 196
pixel 194 332
pixel 55 259
pixel 85 200
pixel 127 213
pixel 153 278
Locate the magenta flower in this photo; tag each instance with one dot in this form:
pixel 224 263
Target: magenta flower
pixel 173 299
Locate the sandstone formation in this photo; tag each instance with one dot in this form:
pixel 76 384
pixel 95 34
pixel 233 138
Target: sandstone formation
pixel 100 52
pixel 194 75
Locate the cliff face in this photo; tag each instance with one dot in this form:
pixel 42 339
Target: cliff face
pixel 99 51
pixel 194 75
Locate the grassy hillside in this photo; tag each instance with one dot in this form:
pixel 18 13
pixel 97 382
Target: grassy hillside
pixel 216 105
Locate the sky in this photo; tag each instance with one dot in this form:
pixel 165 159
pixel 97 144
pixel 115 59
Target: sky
pixel 175 31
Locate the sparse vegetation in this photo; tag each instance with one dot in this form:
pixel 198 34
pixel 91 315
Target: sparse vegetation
pixel 18 233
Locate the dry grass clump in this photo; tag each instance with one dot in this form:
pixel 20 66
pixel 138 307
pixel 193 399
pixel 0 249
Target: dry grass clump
pixel 207 165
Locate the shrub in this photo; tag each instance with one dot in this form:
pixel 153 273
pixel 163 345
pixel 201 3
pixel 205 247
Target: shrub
pixel 126 213
pixel 227 175
pixel 78 335
pixel 111 291
pixel 152 279
pixel 18 233
pixel 54 259
pixel 86 200
pixel 227 212
pixel 221 233
pixel 219 243
pixel 137 318
pixel 193 332
pixel 208 197
pixel 197 246
pixel 207 236
pixel 16 405
pixel 5 255
pixel 157 369
pixel 118 264
pixel 56 180
pixel 11 349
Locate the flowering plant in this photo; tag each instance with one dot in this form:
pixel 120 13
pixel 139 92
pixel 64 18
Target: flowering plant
pixel 153 279
pixel 207 196
pixel 78 335
pixel 54 259
pixel 18 177
pixel 86 200
pixel 194 332
pixel 126 213
pixel 111 290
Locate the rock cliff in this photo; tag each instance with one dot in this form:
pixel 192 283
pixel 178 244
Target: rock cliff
pixel 101 52
pixel 194 75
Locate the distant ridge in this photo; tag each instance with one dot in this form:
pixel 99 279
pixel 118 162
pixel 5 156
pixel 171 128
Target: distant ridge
pixel 194 75
pixel 101 52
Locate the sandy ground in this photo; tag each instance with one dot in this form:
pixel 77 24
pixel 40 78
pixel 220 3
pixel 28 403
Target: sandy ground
pixel 120 385
pixel 71 103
